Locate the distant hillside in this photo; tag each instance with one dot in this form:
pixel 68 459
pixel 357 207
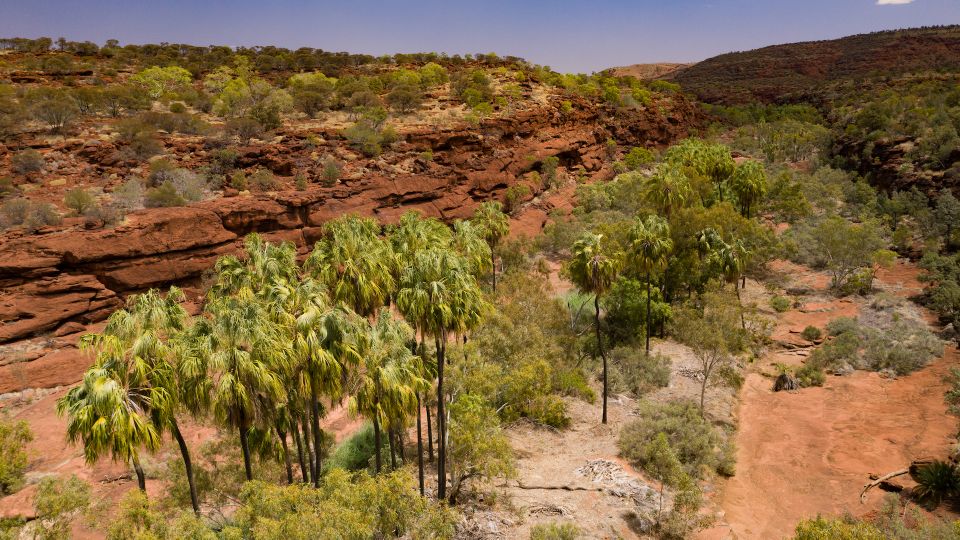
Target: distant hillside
pixel 783 72
pixel 649 71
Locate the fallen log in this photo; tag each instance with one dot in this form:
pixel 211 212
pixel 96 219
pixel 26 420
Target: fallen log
pixel 879 480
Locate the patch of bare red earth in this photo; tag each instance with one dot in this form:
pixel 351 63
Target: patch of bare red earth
pixel 800 454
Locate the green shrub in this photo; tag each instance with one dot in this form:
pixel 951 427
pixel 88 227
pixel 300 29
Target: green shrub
pixel 14 437
pixel 635 372
pixel 238 181
pixel 780 304
pixel 696 442
pixel 810 374
pixel 14 212
pixel 637 157
pixel 555 531
pixel 178 107
pixel 129 196
pixel 244 128
pixel 263 180
pixel 7 187
pixel 79 201
pixel 356 453
pixel 842 325
pixel 514 197
pixel 164 195
pixel 41 215
pixel 300 181
pixel 223 161
pixel 811 333
pixel 26 161
pixel 331 171
pixel 365 138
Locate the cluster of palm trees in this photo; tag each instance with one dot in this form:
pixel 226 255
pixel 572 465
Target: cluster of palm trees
pixel 277 340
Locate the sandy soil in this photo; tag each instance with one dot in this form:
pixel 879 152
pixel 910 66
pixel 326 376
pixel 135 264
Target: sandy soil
pixel 810 452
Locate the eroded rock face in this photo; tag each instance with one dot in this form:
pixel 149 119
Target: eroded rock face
pixel 52 281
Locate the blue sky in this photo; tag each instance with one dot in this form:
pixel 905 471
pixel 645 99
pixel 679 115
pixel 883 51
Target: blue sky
pixel 566 35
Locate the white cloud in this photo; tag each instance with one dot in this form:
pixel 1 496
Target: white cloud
pixel 893 2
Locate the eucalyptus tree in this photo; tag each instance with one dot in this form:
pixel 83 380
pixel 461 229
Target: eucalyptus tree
pixel 495 225
pixel 440 296
pixel 593 269
pixel 749 184
pixel 354 263
pixel 649 247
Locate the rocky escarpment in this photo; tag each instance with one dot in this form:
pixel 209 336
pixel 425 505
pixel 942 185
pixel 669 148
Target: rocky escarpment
pixel 57 281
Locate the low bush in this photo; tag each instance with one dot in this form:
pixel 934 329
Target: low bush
pixel 41 215
pixel 79 201
pixel 356 453
pixel 780 304
pixel 697 443
pixel 129 196
pixel 164 195
pixel 635 372
pixel 244 128
pixel 810 374
pixel 331 171
pixel 26 161
pixel 514 197
pixel 811 333
pixel 555 531
pixel 14 212
pixel 902 346
pixel 263 180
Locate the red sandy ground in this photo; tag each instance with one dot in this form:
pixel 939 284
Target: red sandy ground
pixel 810 452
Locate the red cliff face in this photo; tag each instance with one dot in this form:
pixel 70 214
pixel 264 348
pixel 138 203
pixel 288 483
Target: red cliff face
pixel 55 279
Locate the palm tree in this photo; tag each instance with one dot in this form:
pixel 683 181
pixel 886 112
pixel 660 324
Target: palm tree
pixel 668 189
pixel 239 348
pixel 391 375
pixel 354 263
pixel 139 346
pixel 650 244
pixel 440 296
pixel 495 225
pixel 732 261
pixel 470 244
pixel 592 269
pixel 109 412
pixel 749 184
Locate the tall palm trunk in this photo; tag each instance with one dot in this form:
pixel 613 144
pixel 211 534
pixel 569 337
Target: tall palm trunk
pixel 141 478
pixel 308 444
pixel 303 463
pixel 493 265
pixel 429 433
pixel 317 439
pixel 393 453
pixel 648 314
pixel 376 442
pixel 245 446
pixel 282 435
pixel 419 446
pixel 596 321
pixel 441 424
pixel 187 464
